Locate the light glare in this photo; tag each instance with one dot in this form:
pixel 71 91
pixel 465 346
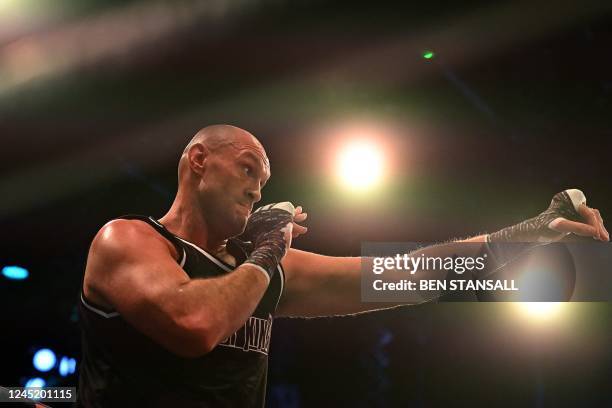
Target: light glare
pixel 44 360
pixel 67 366
pixel 360 165
pixel 15 272
pixel 541 310
pixel 36 382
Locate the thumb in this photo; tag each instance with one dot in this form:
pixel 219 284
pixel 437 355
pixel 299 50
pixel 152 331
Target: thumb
pixel 287 231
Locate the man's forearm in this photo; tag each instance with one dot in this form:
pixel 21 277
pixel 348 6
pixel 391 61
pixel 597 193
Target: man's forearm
pixel 221 305
pixel 332 285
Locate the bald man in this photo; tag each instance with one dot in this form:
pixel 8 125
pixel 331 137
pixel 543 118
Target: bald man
pixel 177 311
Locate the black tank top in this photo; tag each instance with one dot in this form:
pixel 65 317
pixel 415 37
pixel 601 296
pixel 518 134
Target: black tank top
pixel 122 367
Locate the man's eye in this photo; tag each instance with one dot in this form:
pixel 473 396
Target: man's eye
pixel 248 170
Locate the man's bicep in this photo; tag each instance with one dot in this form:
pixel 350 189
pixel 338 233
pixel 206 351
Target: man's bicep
pixel 314 282
pixel 307 269
pixel 136 273
pixel 137 288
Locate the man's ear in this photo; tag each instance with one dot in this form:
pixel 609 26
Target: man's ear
pixel 196 157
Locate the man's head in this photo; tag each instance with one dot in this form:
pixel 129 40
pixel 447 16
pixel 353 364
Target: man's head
pixel 222 171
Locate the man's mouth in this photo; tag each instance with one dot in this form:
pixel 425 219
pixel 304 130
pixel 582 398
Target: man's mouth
pixel 247 207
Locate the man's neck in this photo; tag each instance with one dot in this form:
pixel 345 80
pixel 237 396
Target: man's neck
pixel 186 222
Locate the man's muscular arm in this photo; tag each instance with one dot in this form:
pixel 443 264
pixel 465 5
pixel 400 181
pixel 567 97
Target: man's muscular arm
pixel 132 268
pixel 320 285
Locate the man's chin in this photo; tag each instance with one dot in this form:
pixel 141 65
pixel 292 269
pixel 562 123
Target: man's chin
pixel 239 226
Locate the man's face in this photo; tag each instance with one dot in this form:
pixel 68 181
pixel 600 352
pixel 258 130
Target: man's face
pixel 231 184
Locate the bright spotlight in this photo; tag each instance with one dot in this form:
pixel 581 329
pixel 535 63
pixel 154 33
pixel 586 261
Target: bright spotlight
pixel 44 360
pixel 6 5
pixel 15 272
pixel 36 382
pixel 360 165
pixel 541 310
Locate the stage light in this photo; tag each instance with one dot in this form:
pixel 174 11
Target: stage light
pixel 428 54
pixel 17 13
pixel 67 366
pixel 36 382
pixel 44 360
pixel 541 310
pixel 6 5
pixel 360 165
pixel 15 272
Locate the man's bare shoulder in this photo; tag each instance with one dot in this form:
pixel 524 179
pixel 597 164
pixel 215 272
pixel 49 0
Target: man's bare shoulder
pixel 121 238
pixel 119 248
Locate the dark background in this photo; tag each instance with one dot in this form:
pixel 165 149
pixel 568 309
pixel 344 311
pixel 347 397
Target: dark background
pixel 98 99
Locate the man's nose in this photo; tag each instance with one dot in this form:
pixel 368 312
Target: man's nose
pixel 254 194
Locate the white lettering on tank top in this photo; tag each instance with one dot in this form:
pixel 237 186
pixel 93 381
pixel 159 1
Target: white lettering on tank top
pixel 253 336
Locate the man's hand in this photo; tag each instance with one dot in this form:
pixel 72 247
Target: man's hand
pixel 592 227
pixel 299 216
pixel 567 213
pixel 270 229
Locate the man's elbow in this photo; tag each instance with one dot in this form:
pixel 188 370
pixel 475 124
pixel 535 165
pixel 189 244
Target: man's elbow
pixel 197 338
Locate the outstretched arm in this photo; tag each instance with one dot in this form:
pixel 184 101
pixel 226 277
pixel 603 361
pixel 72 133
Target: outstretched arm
pixel 319 285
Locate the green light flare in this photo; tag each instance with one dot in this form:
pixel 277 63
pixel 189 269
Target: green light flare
pixel 428 54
